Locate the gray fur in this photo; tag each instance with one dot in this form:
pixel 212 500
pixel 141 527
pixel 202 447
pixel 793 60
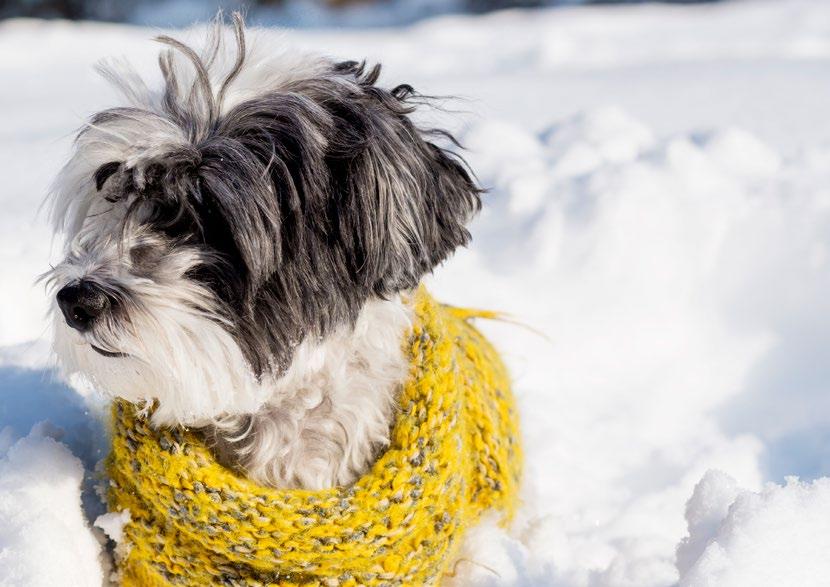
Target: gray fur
pixel 246 231
pixel 312 198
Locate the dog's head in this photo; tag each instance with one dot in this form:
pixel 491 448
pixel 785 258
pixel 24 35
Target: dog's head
pixel 257 201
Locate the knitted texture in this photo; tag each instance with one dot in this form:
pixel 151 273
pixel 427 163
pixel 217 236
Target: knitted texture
pixel 454 453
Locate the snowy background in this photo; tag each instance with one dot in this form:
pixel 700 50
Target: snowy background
pixel 658 218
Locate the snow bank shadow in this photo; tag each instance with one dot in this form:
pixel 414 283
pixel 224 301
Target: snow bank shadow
pixel 33 396
pixel 787 404
pixel 30 396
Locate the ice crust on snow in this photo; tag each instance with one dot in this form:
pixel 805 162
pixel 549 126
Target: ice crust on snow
pixel 658 210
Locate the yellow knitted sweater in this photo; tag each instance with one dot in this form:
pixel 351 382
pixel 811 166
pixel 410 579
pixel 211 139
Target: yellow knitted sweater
pixel 454 453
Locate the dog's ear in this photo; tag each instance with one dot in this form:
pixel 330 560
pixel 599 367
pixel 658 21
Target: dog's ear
pixel 400 203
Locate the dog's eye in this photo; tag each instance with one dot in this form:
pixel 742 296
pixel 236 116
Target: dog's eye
pixel 103 173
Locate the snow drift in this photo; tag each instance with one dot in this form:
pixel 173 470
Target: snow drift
pixel 658 223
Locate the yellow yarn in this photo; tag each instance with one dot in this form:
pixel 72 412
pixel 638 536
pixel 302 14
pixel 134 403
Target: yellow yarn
pixel 454 453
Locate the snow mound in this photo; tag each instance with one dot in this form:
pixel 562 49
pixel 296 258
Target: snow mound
pixel 44 537
pixel 650 263
pixel 778 536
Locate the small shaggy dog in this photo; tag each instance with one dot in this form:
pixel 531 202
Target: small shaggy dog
pixel 236 248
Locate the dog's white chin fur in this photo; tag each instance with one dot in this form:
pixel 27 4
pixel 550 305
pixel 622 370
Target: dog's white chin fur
pixel 319 424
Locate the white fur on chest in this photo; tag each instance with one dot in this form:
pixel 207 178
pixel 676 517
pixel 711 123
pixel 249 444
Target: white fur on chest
pixel 330 414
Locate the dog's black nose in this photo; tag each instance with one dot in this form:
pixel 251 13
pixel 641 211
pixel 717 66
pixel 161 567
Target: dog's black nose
pixel 81 303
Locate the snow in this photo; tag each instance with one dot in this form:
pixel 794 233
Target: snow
pixel 112 523
pixel 657 228
pixel 745 538
pixel 44 539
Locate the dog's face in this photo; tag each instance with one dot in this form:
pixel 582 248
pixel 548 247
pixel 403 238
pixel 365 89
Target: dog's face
pixel 215 225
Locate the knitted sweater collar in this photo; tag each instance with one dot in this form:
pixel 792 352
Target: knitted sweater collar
pixel 454 454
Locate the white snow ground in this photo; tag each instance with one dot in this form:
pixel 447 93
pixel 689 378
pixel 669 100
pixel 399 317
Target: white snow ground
pixel 659 213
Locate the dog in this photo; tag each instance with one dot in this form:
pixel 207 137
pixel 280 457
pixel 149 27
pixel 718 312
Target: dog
pixel 240 244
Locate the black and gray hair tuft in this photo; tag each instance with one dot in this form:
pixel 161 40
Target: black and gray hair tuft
pixel 300 195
